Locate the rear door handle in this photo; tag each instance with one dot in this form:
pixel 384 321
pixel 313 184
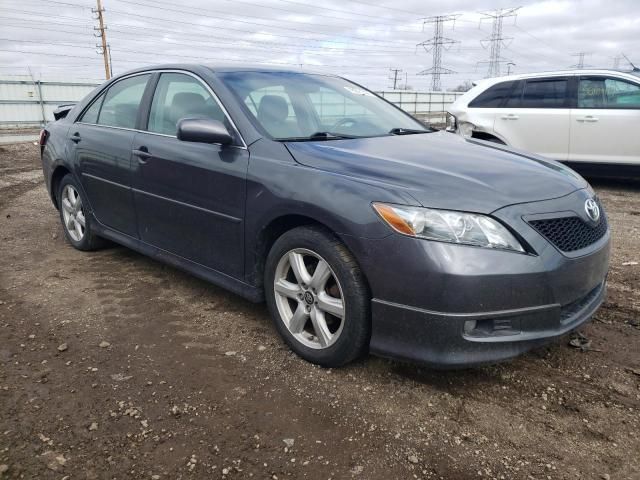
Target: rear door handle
pixel 588 118
pixel 75 138
pixel 143 154
pixel 511 116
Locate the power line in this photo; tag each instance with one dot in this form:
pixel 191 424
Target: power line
pixel 436 44
pixel 496 40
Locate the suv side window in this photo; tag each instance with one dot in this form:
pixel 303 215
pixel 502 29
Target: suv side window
pixel 90 115
pixel 608 93
pixel 179 96
pixel 545 93
pixel 121 103
pixel 493 97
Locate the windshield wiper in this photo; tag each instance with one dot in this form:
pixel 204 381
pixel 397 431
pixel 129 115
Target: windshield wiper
pixel 408 131
pixel 317 136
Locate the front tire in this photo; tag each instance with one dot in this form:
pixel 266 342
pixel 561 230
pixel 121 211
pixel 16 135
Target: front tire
pixel 317 297
pixel 76 223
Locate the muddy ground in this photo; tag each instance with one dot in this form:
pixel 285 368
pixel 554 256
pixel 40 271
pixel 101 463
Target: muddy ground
pixel 116 366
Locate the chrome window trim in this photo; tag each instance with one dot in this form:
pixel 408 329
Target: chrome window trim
pixel 184 72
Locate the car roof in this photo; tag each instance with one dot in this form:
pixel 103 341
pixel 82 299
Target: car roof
pixel 557 73
pixel 226 68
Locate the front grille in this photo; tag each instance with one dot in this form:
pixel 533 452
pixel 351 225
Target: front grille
pixel 570 233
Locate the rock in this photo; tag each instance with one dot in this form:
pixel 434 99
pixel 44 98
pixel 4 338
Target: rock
pixel 261 348
pixel 289 442
pixel 104 344
pixel 3 468
pixel 413 459
pixel 605 476
pixel 32 336
pixel 120 377
pixel 357 470
pixel 54 461
pixel 230 353
pixel 629 264
pixel 93 426
pixel 225 471
pixel 62 347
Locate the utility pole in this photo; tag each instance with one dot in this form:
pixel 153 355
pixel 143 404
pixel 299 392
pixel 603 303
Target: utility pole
pixel 509 65
pixel 616 62
pixel 394 76
pixel 435 45
pixel 102 33
pixel 580 65
pixel 495 41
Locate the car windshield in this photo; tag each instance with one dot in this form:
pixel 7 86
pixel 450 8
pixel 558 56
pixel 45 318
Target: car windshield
pixel 298 107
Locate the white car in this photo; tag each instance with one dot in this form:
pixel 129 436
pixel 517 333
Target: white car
pixel 590 116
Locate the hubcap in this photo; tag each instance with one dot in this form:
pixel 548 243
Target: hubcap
pixel 309 298
pixel 73 213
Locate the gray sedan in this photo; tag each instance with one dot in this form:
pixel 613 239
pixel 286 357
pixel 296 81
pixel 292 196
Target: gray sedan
pixel 363 229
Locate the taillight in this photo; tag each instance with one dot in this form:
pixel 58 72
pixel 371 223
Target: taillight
pixel 44 135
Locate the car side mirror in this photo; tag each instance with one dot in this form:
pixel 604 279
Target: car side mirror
pixel 203 130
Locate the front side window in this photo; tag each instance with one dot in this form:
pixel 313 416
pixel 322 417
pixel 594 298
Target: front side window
pixel 122 102
pixel 179 96
pixel 493 97
pixel 297 106
pixel 549 93
pixel 608 93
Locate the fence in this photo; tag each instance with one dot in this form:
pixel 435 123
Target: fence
pixel 25 102
pixel 430 107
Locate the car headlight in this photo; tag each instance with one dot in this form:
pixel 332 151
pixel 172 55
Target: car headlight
pixel 451 123
pixel 466 129
pixel 448 226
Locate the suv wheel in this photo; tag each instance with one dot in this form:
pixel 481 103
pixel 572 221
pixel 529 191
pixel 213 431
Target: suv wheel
pixel 75 223
pixel 317 297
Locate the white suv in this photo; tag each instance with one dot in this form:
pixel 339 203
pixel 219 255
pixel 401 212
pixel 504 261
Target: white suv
pixel 573 116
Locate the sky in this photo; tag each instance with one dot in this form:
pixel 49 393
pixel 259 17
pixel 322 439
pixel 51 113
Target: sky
pixel 358 39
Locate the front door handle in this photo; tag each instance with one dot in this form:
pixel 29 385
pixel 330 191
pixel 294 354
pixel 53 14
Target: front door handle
pixel 588 118
pixel 75 138
pixel 511 116
pixel 143 154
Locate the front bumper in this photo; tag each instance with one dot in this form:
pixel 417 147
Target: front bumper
pixel 454 306
pixel 444 340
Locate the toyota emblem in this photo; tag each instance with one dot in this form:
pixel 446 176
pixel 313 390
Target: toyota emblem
pixel 592 209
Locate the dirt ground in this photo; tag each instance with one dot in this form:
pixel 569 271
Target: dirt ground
pixel 116 366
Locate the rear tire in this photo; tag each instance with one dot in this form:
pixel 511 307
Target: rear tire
pixel 318 298
pixel 76 222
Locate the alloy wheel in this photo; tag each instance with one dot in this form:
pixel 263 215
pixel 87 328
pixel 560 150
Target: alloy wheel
pixel 309 298
pixel 73 213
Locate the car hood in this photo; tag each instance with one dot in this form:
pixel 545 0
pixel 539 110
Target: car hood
pixel 443 170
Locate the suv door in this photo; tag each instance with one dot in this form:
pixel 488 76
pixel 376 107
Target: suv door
pixel 190 197
pixel 604 124
pixel 100 143
pixel 536 117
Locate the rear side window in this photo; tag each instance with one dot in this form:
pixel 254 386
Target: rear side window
pixel 493 97
pixel 122 101
pixel 608 93
pixel 179 96
pixel 90 115
pixel 549 93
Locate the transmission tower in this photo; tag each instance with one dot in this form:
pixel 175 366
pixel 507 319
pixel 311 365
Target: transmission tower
pixel 580 65
pixel 435 45
pixel 394 76
pixel 101 31
pixel 496 41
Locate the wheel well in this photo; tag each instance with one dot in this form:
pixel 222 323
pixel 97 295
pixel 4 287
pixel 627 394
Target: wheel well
pixel 56 177
pixel 269 234
pixel 488 137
